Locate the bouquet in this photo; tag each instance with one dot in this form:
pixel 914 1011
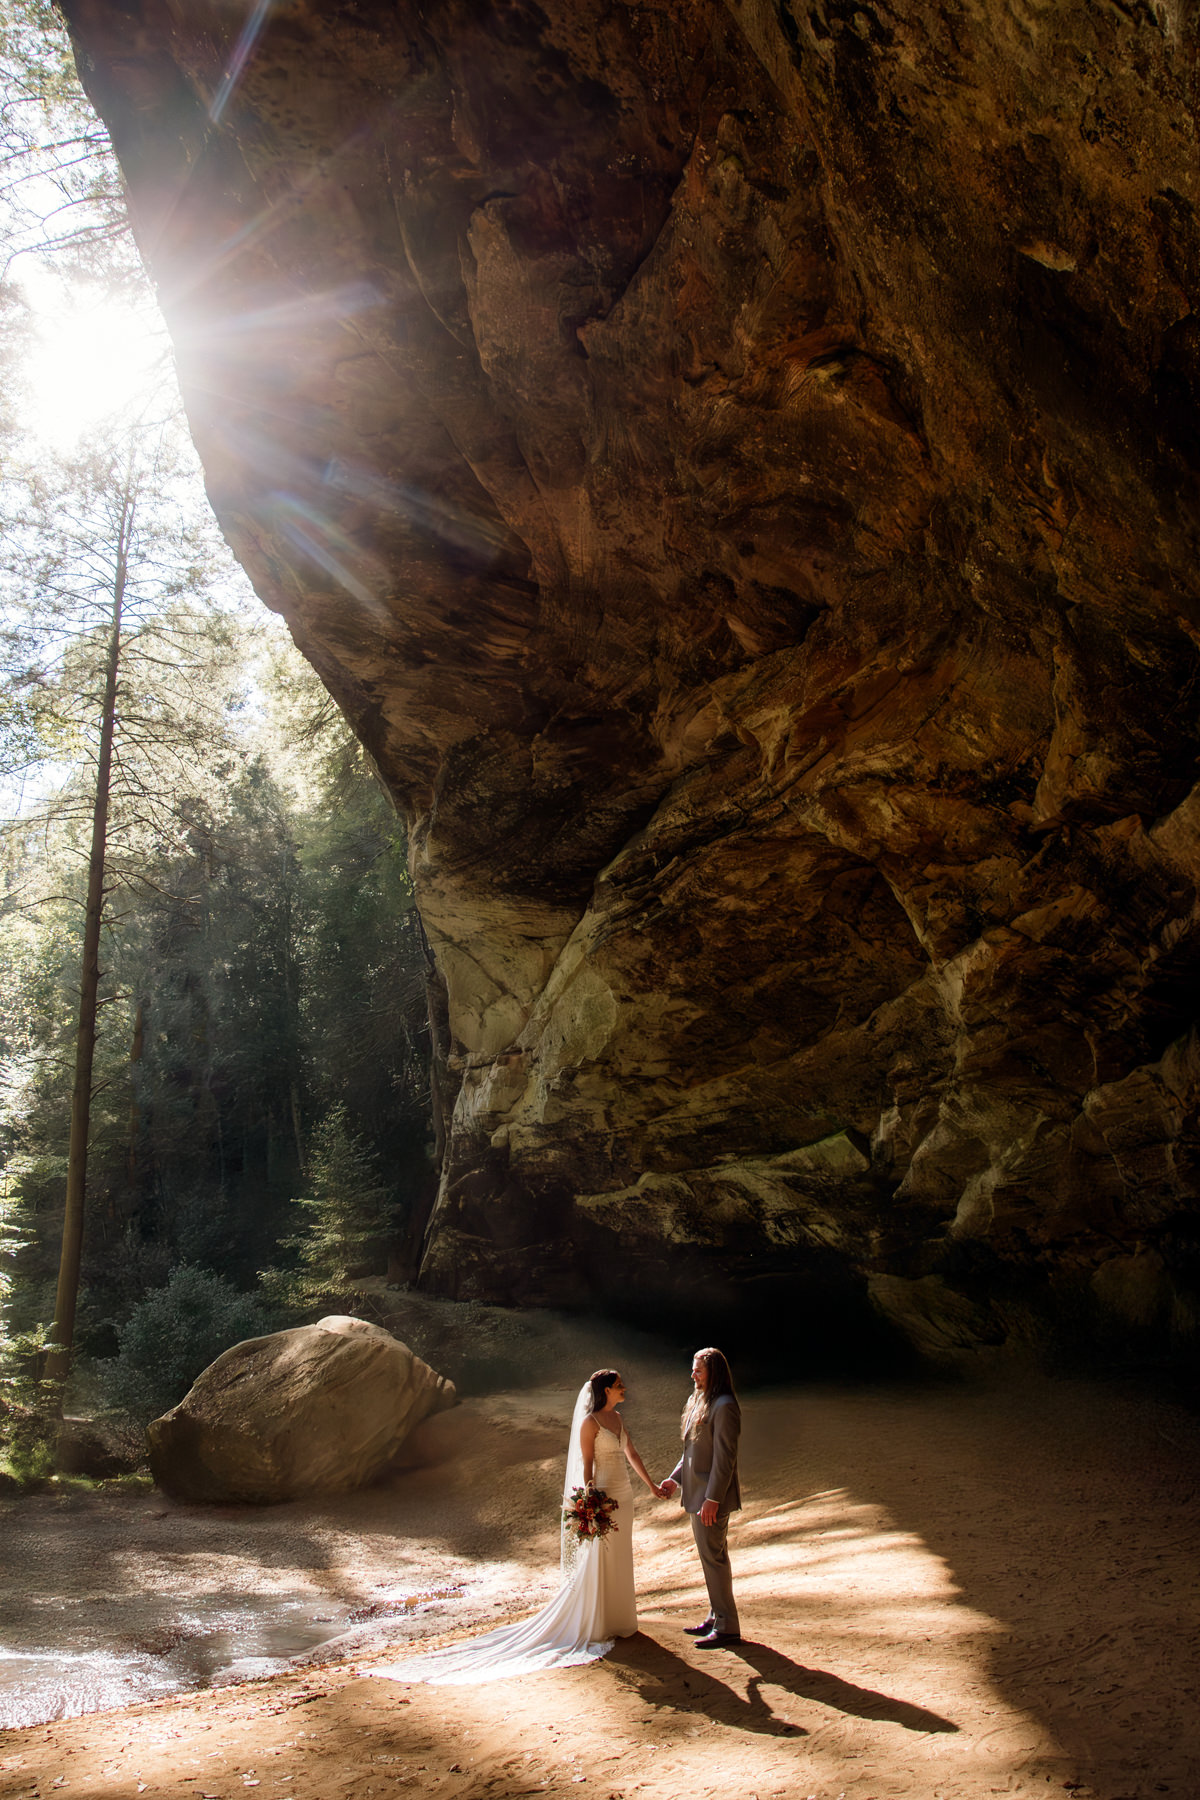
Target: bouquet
pixel 588 1513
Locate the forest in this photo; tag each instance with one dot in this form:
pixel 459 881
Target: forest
pixel 214 1110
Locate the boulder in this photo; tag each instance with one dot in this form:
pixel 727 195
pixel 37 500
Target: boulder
pixel 318 1410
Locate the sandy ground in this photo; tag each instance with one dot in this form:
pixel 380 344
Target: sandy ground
pixel 947 1592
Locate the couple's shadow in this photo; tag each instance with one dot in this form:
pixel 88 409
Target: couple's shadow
pixel 663 1678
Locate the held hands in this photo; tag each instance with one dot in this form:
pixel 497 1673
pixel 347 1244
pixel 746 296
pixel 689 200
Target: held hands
pixel 708 1512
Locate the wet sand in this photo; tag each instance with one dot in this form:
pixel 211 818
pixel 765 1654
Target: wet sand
pixel 947 1592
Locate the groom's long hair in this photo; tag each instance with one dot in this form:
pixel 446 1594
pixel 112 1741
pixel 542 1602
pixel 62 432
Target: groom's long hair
pixel 701 1401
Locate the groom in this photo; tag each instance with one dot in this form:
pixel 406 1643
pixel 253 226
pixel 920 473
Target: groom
pixel 708 1471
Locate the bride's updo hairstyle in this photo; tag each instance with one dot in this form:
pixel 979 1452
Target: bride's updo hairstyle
pixel 700 1402
pixel 601 1381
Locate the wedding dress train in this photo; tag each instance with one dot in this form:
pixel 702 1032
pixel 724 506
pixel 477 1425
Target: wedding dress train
pixel 594 1605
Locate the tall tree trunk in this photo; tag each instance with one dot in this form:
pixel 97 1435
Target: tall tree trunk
pixel 58 1360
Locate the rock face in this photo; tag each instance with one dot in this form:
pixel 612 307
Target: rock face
pixel 736 465
pixel 319 1410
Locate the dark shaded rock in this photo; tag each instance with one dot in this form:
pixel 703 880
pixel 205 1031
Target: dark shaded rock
pixel 736 467
pixel 322 1409
pixel 91 1447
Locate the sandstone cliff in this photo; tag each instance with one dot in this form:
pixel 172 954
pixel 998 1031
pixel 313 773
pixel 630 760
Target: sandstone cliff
pixel 736 466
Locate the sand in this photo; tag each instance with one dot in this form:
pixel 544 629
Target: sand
pixel 947 1592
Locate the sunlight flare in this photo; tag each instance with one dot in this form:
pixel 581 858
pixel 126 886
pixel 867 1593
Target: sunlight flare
pixel 96 355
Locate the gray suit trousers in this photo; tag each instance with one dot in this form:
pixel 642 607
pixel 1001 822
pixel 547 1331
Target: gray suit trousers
pixel 718 1576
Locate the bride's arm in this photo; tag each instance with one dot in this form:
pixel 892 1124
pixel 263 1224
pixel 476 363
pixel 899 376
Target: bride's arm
pixel 635 1462
pixel 587 1443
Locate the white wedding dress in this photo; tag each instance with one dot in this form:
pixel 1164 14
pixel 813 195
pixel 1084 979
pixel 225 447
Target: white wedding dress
pixel 594 1605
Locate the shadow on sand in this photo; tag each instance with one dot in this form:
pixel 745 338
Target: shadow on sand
pixel 663 1678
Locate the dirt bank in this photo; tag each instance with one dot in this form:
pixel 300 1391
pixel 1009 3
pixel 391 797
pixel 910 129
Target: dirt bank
pixel 948 1593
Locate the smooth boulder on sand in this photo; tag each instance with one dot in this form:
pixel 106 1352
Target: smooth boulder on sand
pixel 321 1409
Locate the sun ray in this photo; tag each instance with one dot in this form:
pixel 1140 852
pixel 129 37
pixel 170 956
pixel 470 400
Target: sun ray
pixel 95 356
pixel 250 34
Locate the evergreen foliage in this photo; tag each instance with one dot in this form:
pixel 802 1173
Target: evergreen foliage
pixel 264 973
pixel 346 1210
pixel 28 1422
pixel 60 189
pixel 172 1334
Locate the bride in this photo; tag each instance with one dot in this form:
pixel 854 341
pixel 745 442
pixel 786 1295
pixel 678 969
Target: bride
pixel 595 1603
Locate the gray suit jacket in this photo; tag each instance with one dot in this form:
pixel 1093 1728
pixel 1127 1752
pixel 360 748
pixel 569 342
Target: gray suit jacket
pixel 708 1469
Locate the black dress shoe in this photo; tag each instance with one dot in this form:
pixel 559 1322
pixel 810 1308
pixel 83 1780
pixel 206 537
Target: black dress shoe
pixel 716 1639
pixel 699 1630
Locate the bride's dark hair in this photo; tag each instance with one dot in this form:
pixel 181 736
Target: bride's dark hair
pixel 701 1401
pixel 601 1381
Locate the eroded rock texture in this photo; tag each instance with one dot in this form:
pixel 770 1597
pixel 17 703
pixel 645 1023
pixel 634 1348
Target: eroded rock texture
pixel 322 1409
pixel 736 465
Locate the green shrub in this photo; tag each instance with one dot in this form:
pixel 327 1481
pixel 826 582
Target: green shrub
pixel 27 1440
pixel 29 1407
pixel 171 1335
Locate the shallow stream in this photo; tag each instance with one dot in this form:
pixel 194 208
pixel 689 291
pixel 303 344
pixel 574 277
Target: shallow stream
pixel 208 1641
pixel 113 1599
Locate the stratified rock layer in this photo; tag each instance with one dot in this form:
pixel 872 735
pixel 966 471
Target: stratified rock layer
pixel 322 1409
pixel 736 465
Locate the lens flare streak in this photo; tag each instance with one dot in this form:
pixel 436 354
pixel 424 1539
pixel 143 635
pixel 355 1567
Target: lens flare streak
pixel 250 34
pixel 297 314
pixel 311 535
pixel 481 538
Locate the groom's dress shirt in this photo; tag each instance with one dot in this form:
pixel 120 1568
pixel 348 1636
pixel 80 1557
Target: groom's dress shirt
pixel 708 1469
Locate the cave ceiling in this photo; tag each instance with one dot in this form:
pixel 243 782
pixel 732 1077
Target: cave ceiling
pixel 736 467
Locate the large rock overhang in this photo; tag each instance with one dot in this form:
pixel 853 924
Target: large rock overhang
pixel 735 464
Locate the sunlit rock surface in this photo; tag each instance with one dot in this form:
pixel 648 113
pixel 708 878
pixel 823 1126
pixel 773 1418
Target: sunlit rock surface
pixel 322 1409
pixel 736 465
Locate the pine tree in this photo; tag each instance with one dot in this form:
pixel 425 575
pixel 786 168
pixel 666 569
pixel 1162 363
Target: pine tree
pixel 347 1211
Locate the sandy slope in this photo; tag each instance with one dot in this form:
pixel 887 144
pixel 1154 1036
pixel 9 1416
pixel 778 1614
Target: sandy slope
pixel 948 1593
